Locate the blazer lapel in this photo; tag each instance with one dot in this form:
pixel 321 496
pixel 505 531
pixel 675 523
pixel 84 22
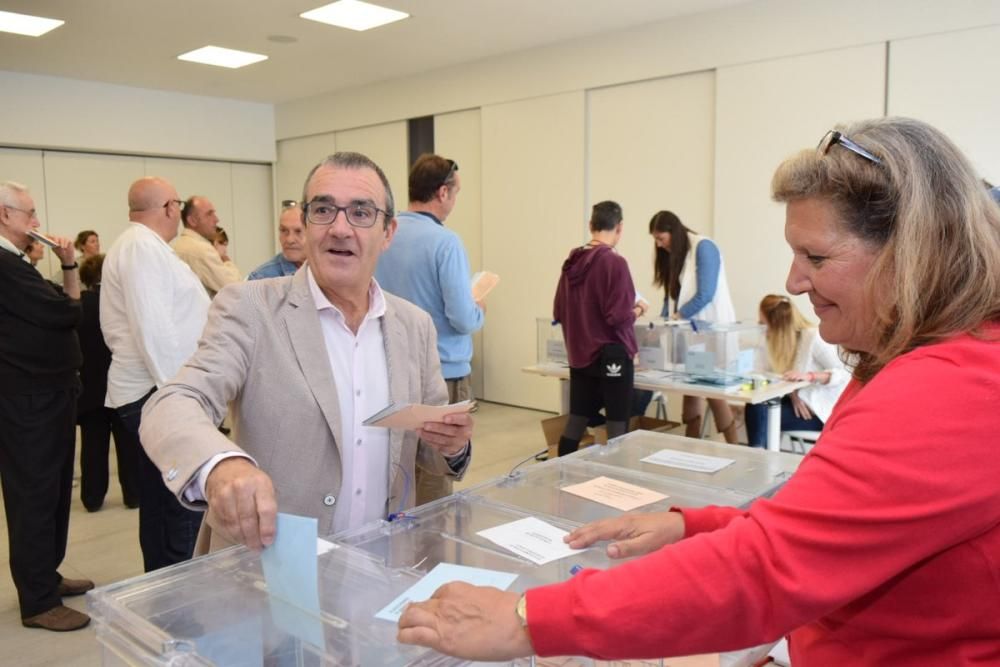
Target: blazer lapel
pixel 306 336
pixel 394 337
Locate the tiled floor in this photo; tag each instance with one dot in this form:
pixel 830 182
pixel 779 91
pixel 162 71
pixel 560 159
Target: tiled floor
pixel 103 546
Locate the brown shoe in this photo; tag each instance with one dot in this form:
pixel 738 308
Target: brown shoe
pixel 58 619
pixel 69 587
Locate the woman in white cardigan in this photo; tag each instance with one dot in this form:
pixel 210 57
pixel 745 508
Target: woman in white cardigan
pixel 796 352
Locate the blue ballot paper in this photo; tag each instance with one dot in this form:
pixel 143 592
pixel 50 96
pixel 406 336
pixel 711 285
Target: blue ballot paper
pixel 442 574
pixel 292 582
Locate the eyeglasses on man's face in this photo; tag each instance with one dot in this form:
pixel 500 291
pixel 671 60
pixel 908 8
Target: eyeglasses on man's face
pixel 319 212
pixel 835 138
pixel 179 203
pixel 31 213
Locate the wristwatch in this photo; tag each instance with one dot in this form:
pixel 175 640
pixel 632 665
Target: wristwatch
pixel 522 610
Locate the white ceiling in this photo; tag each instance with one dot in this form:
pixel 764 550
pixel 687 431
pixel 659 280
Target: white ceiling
pixel 135 42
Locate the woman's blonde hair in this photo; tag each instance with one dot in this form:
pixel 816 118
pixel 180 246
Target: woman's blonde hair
pixel 923 210
pixel 785 324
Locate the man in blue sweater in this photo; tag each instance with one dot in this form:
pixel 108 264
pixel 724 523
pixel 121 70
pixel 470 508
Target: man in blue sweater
pixel 426 264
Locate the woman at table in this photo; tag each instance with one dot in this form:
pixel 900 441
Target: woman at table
pixel 794 349
pixel 884 547
pixel 689 268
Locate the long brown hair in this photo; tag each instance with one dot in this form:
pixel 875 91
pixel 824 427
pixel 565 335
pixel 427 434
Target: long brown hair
pixel 669 264
pixel 785 324
pixel 923 210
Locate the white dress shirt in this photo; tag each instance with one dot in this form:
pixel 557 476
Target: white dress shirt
pixel 362 376
pixel 153 310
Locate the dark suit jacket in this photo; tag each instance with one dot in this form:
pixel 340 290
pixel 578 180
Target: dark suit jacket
pixel 96 355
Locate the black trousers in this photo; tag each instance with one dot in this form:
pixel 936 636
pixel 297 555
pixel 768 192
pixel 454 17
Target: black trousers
pixel 37 441
pixel 167 530
pixel 96 427
pixel 607 383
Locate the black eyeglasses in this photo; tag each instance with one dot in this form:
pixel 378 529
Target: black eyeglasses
pixel 320 212
pixel 179 203
pixel 451 172
pixel 288 203
pixel 834 138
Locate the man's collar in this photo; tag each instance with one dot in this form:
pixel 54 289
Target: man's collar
pixel 190 233
pixel 7 245
pixel 376 298
pixel 429 215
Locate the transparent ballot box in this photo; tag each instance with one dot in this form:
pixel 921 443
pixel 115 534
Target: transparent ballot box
pixel 721 354
pixel 655 340
pixel 551 346
pixel 539 489
pixel 753 473
pixel 216 610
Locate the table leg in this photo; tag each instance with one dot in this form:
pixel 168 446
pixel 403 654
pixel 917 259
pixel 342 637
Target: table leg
pixel 774 425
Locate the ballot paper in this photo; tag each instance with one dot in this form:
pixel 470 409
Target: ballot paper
pixel 483 283
pixel 290 571
pixel 686 461
pixel 614 493
pixel 42 238
pixel 531 538
pixel 442 574
pixel 412 416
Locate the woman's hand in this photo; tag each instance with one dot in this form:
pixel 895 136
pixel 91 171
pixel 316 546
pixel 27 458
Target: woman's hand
pixel 632 534
pixel 802 410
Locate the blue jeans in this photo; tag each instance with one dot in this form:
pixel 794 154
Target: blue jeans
pixel 756 417
pixel 167 530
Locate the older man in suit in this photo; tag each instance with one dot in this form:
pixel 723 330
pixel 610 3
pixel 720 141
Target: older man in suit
pixel 304 360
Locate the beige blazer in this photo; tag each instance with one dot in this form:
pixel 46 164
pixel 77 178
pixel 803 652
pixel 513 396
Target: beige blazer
pixel 263 351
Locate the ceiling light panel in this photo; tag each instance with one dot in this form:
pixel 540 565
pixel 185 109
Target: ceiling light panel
pixel 220 57
pixel 354 15
pixel 24 24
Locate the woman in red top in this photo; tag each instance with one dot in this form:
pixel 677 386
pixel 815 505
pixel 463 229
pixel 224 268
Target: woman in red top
pixel 884 547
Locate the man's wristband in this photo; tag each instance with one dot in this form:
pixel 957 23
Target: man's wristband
pixel 70 267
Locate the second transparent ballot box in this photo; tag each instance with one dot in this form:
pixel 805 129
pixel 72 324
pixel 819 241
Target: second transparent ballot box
pixel 752 473
pixel 540 490
pixel 655 341
pixel 706 351
pixel 551 346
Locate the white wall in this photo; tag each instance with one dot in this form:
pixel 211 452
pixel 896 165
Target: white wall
pixel 533 204
pixel 947 81
pixel 458 136
pixel 51 112
pixel 765 112
pixel 77 191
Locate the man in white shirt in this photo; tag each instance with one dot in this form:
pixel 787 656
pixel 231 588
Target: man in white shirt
pixel 153 309
pixel 194 246
pixel 304 360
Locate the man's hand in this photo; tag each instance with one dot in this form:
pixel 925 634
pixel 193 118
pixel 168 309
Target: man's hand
pixel 450 436
pixel 65 252
pixel 470 622
pixel 802 410
pixel 241 502
pixel 633 534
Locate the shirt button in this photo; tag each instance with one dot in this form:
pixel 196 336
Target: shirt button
pixel 357 393
pixel 329 500
pixel 359 442
pixel 357 492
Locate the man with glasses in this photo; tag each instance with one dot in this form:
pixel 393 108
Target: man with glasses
pixel 304 360
pixel 153 308
pixel 39 383
pixel 194 246
pixel 291 235
pixel 427 266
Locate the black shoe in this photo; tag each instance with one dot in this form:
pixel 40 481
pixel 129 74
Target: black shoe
pixel 542 456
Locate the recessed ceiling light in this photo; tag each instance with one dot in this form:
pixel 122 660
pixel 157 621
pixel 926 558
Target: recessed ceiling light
pixel 220 57
pixel 354 14
pixel 23 24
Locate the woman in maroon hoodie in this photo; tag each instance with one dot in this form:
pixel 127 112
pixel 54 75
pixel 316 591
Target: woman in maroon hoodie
pixel 595 304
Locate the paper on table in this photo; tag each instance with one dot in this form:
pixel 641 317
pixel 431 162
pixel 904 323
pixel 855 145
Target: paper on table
pixel 483 283
pixel 614 493
pixel 532 538
pixel 442 574
pixel 686 461
pixel 292 582
pixel 413 416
